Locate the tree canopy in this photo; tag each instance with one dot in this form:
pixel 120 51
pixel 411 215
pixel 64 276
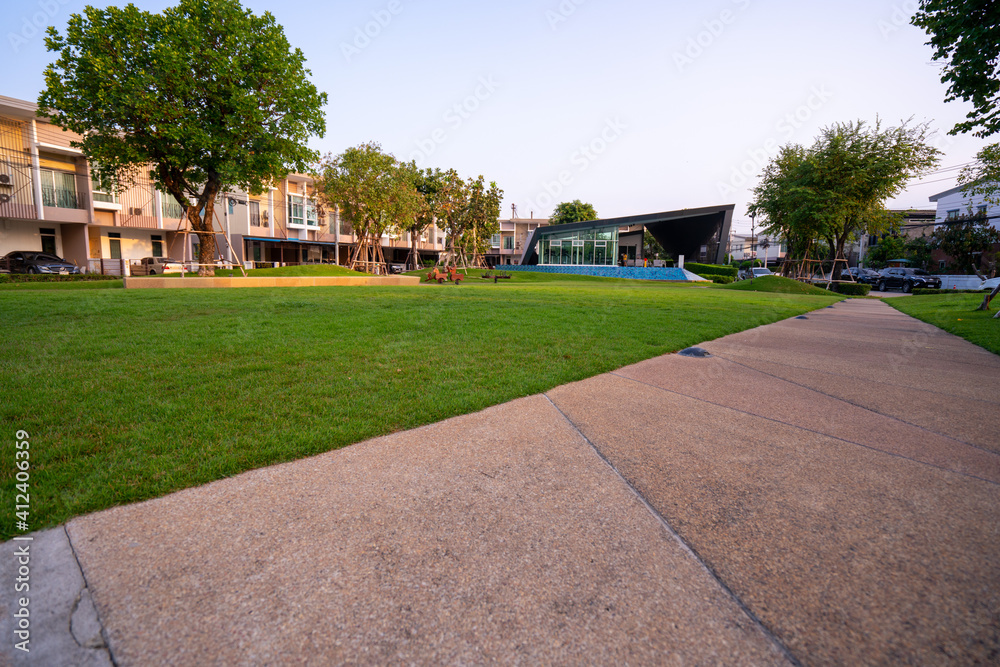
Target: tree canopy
pixel 836 189
pixel 969 242
pixel 965 35
pixel 573 211
pixel 206 96
pixel 374 192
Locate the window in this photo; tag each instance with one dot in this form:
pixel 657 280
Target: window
pixel 495 241
pixel 255 214
pixel 48 240
pixel 508 243
pixel 312 215
pixel 102 195
pixel 170 208
pixel 58 188
pixel 157 245
pixel 942 265
pixel 981 210
pixel 296 211
pixel 115 244
pixel 953 214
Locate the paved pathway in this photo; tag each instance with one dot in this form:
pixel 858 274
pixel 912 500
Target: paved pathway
pixel 820 490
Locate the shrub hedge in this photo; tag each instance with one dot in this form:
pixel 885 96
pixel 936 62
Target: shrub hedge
pixel 853 289
pixel 52 278
pixel 710 269
pixel 928 290
pixel 721 280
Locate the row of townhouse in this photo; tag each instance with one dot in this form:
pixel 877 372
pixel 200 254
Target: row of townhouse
pixel 49 203
pixel 508 246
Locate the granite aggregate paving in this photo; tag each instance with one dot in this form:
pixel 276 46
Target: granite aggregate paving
pixel 495 537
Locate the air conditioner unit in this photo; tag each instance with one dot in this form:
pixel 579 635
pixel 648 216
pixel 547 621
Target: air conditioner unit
pixel 5 179
pixel 135 210
pixel 4 198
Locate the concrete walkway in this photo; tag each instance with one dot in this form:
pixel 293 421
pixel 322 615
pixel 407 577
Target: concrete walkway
pixel 823 490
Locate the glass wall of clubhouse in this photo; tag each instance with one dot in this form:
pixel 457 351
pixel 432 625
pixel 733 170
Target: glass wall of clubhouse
pixel 597 246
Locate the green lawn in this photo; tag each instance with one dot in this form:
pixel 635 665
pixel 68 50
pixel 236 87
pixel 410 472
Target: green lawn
pixel 131 394
pixel 776 285
pixel 957 314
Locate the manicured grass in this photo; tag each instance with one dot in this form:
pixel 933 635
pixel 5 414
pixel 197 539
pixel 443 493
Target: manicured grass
pixel 131 394
pixel 957 314
pixel 75 285
pixel 776 285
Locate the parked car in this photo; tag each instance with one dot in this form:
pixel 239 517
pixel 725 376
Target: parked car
pixel 397 268
pixel 153 266
pixel 755 272
pixel 906 279
pixel 990 284
pixel 22 261
pixel 863 275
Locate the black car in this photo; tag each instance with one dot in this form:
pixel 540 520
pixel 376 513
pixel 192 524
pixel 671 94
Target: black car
pixel 21 261
pixel 862 275
pixel 906 279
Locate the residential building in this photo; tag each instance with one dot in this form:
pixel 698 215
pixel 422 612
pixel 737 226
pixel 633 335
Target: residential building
pixel 507 246
pixel 49 202
pixel 953 204
pixel 746 246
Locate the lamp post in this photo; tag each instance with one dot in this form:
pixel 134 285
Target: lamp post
pixel 753 244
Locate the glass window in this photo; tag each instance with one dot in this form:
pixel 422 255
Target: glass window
pixel 296 211
pixel 254 214
pixel 58 188
pixel 312 216
pixel 170 208
pixel 508 243
pixel 102 195
pixel 48 240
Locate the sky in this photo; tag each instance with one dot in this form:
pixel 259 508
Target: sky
pixel 635 107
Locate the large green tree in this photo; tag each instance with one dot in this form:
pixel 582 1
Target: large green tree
pixel 206 96
pixel 965 35
pixel 372 191
pixel 482 216
pixel 434 188
pixel 836 190
pixel 573 211
pixel 969 241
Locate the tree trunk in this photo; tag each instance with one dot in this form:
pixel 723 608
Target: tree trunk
pixel 985 305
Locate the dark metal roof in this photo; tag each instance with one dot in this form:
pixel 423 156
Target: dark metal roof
pixel 529 255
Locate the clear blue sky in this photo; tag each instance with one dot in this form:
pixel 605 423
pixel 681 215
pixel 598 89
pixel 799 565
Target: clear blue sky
pixel 636 107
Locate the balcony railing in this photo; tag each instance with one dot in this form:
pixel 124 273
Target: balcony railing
pixel 104 197
pixel 59 197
